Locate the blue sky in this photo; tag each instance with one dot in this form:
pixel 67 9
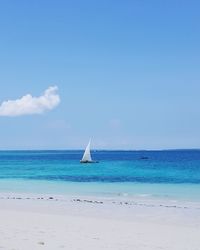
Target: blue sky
pixel 127 72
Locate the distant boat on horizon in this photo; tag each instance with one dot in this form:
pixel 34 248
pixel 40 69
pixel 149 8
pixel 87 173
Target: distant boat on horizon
pixel 144 158
pixel 87 155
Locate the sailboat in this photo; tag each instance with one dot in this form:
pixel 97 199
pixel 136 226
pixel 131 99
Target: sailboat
pixel 87 155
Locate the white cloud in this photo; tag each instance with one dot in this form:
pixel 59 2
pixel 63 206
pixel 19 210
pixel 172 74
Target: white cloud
pixel 28 104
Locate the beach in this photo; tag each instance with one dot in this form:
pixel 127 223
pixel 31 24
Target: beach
pixel 32 221
pixel 48 200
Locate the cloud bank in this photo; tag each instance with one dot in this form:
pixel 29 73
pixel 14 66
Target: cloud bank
pixel 28 105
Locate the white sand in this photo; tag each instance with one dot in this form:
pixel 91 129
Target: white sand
pixel 62 223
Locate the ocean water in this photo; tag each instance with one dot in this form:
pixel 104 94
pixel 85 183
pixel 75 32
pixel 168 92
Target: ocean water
pixel 164 174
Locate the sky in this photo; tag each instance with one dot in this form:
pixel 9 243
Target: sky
pixel 124 73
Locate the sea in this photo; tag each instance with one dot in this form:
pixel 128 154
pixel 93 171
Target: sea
pixel 167 174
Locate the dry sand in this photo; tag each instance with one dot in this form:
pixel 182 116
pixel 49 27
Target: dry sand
pixel 37 222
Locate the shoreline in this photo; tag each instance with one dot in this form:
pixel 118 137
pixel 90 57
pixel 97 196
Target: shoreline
pixel 151 191
pixel 145 201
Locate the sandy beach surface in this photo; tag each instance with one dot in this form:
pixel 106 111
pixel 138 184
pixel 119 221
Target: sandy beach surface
pixel 83 223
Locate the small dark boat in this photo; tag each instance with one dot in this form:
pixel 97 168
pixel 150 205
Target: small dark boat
pixel 144 158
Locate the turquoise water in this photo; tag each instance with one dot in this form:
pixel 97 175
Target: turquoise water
pixel 161 174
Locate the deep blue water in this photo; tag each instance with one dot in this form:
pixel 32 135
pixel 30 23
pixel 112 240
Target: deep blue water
pixel 169 167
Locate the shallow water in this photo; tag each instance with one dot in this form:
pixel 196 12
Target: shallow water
pixel 163 174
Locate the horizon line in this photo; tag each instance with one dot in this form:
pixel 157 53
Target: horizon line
pixel 95 149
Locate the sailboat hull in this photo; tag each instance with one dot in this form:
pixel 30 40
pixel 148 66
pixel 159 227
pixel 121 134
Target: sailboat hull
pixel 88 162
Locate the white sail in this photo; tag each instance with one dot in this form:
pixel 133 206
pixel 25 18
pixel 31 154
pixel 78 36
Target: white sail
pixel 87 156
